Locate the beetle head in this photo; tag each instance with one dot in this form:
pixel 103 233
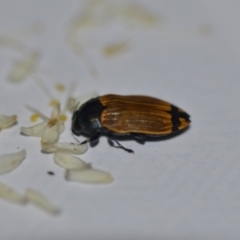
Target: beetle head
pixel 83 123
pixel 76 130
pixel 86 119
pixel 78 125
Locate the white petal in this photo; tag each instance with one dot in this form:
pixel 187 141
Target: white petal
pixel 10 194
pixel 23 68
pixel 71 104
pixel 62 126
pixel 89 176
pixel 7 121
pixel 52 132
pixel 56 111
pixel 36 130
pixel 8 162
pixel 67 147
pixel 69 161
pixel 41 201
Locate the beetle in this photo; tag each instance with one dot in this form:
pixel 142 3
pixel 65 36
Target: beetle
pixel 137 116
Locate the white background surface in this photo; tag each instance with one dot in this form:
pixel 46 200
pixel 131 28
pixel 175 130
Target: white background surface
pixel 186 187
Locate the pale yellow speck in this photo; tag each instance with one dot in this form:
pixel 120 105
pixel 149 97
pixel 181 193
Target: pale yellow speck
pixel 60 87
pixel 34 117
pixel 63 118
pixel 115 49
pixel 53 102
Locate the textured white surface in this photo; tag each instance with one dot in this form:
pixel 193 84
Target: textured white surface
pixel 185 187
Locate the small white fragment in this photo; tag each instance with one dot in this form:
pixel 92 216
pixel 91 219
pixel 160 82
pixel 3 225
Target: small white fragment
pixel 61 126
pixel 7 121
pixel 69 161
pixel 10 194
pixel 24 67
pixel 56 111
pixel 36 130
pixel 89 176
pixel 66 147
pixel 71 104
pixel 41 201
pixel 8 162
pixel 52 131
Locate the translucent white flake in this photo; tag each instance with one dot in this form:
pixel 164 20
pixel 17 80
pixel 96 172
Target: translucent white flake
pixel 74 148
pixel 71 104
pixel 9 194
pixel 89 176
pixel 24 67
pixel 33 196
pixel 8 162
pixel 36 130
pixel 52 132
pixel 69 161
pixel 7 121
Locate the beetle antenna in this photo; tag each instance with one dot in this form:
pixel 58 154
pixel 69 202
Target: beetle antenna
pixel 75 138
pixel 84 142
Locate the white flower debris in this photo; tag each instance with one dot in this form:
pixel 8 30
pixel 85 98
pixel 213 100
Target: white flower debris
pixel 71 104
pixel 7 121
pixel 60 87
pixel 89 176
pixel 100 14
pixel 36 130
pixel 69 161
pixel 74 103
pixel 9 194
pixel 8 162
pixel 74 148
pixel 50 129
pixel 138 15
pixel 23 68
pixel 33 196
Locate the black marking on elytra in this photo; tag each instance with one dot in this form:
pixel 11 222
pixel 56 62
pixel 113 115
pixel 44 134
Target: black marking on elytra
pixel 175 118
pixel 184 116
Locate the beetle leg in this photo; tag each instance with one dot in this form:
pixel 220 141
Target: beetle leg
pixel 84 142
pixel 94 137
pixel 119 145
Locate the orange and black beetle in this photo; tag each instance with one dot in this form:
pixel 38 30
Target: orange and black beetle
pixel 139 116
